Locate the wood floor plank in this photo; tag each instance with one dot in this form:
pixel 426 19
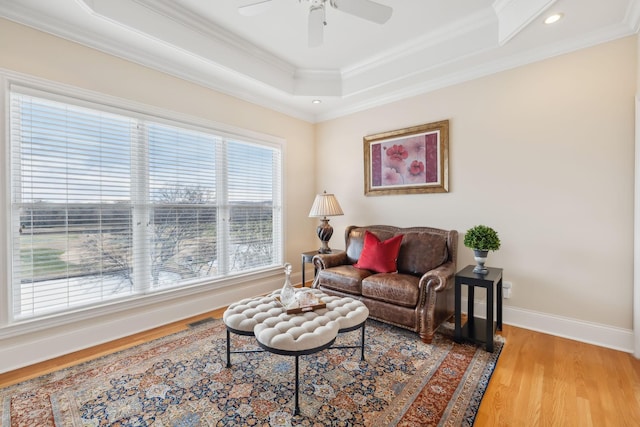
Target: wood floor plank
pixel 540 380
pixel 543 380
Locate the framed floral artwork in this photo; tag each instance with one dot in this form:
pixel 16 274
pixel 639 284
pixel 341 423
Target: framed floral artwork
pixel 407 161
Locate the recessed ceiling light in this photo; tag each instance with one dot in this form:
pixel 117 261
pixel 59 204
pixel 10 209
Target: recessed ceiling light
pixel 552 19
pixel 316 101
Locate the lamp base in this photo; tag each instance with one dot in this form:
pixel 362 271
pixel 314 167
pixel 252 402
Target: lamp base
pixel 325 231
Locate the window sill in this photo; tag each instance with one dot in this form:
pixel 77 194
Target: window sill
pixel 116 306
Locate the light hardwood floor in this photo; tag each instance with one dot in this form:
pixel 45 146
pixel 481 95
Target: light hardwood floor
pixel 540 380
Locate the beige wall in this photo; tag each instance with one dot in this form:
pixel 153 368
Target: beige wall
pixel 543 154
pixel 24 50
pixel 638 64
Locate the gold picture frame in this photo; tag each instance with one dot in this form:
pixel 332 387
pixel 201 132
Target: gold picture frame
pixel 413 160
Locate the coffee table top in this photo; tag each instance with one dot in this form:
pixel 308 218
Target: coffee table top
pixel 267 318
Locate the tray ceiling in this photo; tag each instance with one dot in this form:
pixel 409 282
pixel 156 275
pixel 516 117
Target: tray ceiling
pixel 265 59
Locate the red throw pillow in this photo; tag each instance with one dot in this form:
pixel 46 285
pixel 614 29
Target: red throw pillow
pixel 378 256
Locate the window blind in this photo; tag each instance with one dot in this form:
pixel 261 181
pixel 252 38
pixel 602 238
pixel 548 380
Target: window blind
pixel 71 198
pixel 107 205
pixel 250 205
pixel 183 201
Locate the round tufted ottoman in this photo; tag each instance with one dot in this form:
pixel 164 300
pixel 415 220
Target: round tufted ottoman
pixel 295 334
pixel 242 316
pixel 348 312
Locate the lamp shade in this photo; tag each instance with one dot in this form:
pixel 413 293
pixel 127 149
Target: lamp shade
pixel 325 205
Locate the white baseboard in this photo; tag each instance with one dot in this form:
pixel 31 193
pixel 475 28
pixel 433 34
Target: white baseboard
pixel 579 330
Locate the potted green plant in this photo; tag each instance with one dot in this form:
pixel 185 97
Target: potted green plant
pixel 481 239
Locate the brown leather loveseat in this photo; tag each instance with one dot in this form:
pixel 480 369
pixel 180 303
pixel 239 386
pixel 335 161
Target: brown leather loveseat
pixel 419 296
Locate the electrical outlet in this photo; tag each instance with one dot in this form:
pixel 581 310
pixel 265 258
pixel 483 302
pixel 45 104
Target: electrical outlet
pixel 506 289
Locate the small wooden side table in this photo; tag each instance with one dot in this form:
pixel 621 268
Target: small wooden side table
pixel 478 330
pixel 307 257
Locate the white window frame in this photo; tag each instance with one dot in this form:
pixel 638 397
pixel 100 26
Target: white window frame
pixel 7 79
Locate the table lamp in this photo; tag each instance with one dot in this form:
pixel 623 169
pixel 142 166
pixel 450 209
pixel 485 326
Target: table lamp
pixel 323 206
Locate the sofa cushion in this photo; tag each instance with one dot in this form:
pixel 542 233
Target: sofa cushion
pixel 343 278
pixel 421 252
pixel 394 288
pixel 378 256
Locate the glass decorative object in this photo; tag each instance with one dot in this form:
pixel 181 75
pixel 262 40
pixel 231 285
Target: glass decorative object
pixel 288 293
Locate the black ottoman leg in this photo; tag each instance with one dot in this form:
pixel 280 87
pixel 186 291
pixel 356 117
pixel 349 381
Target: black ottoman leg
pixel 228 349
pixel 362 344
pixel 296 411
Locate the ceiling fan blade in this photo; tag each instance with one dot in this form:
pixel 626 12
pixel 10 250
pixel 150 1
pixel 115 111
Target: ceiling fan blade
pixel 366 9
pixel 316 25
pixel 253 7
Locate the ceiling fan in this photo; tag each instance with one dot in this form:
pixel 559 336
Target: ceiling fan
pixel 365 9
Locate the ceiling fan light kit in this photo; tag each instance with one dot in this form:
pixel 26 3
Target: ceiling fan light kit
pixel 365 9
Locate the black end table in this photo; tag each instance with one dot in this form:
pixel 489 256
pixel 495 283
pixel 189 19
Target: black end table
pixel 307 257
pixel 478 330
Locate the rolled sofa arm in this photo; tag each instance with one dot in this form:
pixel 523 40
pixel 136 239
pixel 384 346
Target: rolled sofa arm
pixel 322 261
pixel 440 278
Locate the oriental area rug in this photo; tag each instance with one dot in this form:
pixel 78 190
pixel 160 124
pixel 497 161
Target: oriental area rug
pixel 182 380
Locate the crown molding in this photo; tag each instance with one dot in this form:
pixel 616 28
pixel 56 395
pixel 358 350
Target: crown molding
pixel 191 37
pixel 212 77
pixel 428 83
pixel 188 67
pixel 515 15
pixel 188 19
pixel 632 17
pixel 315 82
pixel 245 58
pixel 481 20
